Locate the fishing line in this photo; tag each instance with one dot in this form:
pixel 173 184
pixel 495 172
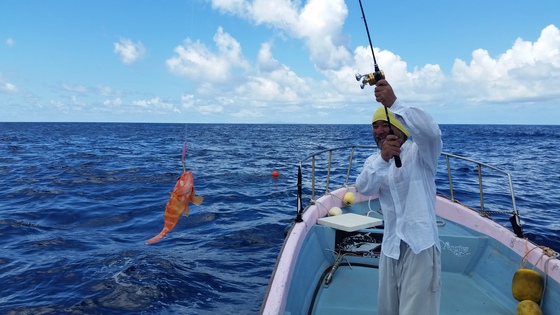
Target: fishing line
pixel 186 124
pixel 377 71
pixel 184 156
pixel 372 78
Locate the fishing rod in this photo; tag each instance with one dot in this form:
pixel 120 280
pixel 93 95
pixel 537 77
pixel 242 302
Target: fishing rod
pixel 373 78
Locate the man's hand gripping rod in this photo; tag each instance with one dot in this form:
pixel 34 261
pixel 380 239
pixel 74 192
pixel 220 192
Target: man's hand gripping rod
pixel 373 78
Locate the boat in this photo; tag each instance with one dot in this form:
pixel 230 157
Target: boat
pixel 328 264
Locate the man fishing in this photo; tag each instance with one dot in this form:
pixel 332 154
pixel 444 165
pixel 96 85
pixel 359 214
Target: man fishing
pixel 410 262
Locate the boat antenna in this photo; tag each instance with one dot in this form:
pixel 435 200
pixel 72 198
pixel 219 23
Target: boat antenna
pixel 372 78
pixel 299 193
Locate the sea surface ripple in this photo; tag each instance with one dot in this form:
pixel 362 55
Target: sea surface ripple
pixel 78 200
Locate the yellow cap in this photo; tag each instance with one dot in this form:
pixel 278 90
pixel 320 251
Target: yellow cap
pixel 380 115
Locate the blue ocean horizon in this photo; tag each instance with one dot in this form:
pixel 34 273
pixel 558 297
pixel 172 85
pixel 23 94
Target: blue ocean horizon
pixel 78 200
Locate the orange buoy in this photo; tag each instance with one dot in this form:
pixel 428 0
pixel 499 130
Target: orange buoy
pixel 275 174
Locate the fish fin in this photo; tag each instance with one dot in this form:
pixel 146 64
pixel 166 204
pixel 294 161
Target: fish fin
pixel 197 200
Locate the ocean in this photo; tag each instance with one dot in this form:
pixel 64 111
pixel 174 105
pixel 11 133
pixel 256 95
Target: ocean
pixel 78 200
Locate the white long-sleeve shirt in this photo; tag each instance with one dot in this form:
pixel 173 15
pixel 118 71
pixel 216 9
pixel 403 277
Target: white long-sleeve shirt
pixel 407 194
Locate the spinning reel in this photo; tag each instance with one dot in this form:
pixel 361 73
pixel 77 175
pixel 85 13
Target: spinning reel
pixel 370 78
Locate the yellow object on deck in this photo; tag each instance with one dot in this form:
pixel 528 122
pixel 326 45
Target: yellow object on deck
pixel 527 284
pixel 528 307
pixel 349 199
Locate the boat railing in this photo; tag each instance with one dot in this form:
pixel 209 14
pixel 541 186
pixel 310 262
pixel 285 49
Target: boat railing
pixel 333 158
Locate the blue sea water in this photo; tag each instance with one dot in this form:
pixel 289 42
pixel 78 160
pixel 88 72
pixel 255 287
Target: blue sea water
pixel 78 200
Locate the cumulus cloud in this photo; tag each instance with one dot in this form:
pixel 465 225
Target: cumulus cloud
pixel 200 64
pixel 187 101
pixel 210 109
pixel 318 23
pixel 59 105
pixel 528 71
pixel 128 51
pixel 246 113
pixel 270 83
pixel 71 104
pixel 190 103
pixel 74 88
pixel 117 102
pixel 7 87
pixel 156 104
pixel 105 90
pixel 229 84
pixel 265 60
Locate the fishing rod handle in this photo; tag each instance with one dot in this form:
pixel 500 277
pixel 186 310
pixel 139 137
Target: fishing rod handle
pixel 398 162
pixel 397 158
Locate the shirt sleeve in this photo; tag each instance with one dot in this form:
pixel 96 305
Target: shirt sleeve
pixel 374 172
pixel 424 130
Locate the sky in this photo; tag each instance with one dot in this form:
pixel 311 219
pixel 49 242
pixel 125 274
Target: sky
pixel 277 61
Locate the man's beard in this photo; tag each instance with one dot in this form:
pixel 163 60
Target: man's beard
pixel 379 143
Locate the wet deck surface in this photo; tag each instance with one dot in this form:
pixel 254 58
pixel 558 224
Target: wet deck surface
pixel 354 291
pixel 465 289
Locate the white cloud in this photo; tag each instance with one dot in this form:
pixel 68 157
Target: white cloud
pixel 128 51
pixel 74 88
pixel 7 87
pixel 156 104
pixel 273 85
pixel 73 104
pixel 232 6
pixel 187 101
pixel 265 60
pixel 117 102
pixel 318 23
pixel 227 85
pixel 210 109
pixel 58 105
pixel 321 24
pixel 247 114
pixel 197 62
pixel 104 90
pixel 190 102
pixel 10 42
pixel 526 72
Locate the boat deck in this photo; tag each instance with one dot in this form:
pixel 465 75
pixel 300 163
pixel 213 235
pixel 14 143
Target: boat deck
pixel 474 297
pixel 469 263
pixel 358 286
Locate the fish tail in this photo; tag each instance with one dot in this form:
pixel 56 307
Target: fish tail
pixel 158 237
pixel 170 220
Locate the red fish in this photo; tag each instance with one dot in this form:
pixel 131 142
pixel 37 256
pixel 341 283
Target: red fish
pixel 178 204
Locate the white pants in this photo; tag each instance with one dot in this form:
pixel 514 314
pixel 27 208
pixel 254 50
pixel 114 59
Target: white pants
pixel 411 284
